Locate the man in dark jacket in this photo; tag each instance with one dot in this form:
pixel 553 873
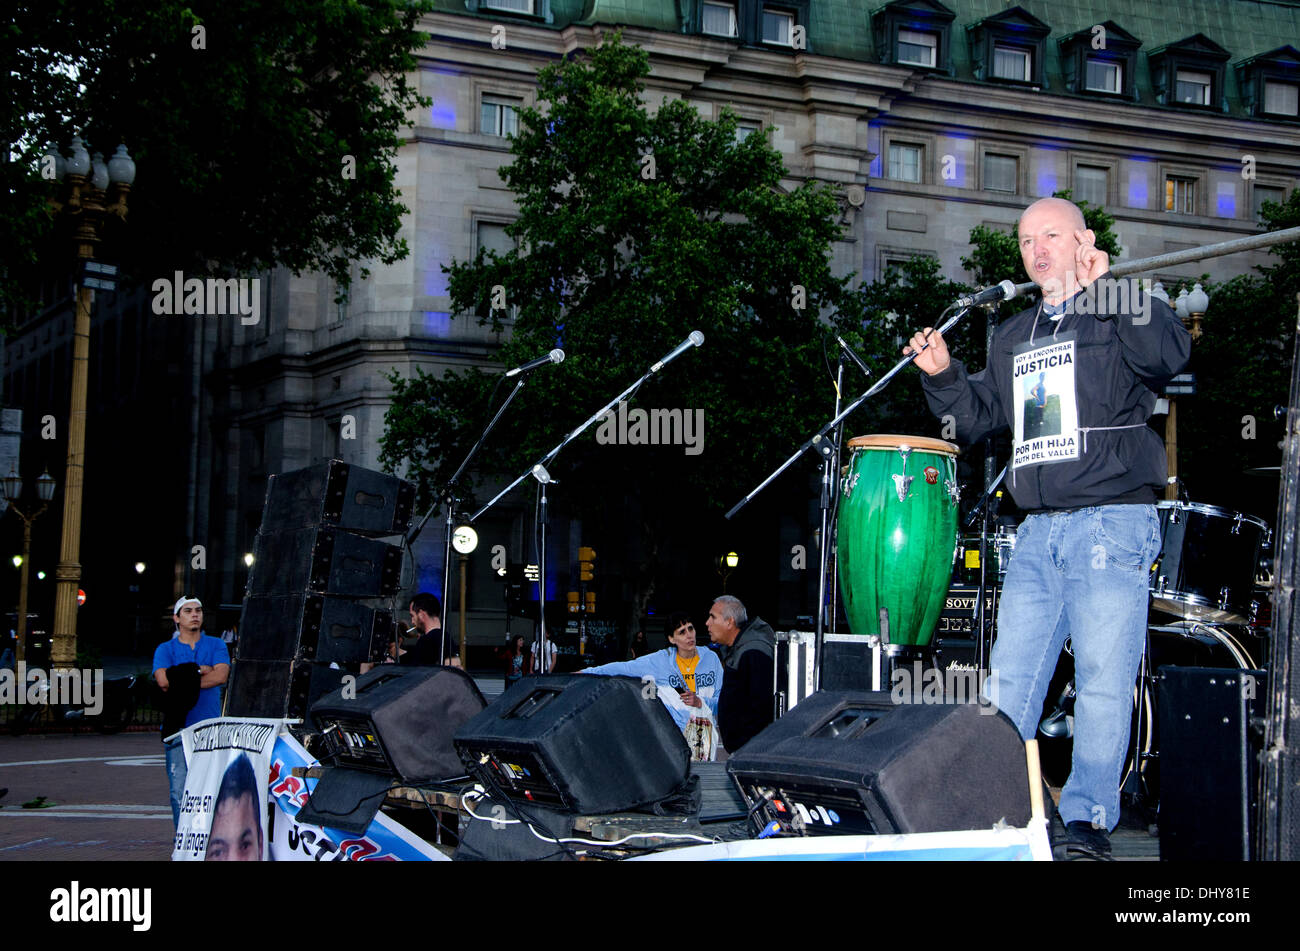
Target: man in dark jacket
pixel 1075 379
pixel 745 704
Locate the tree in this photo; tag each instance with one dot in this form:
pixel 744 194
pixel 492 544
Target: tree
pixel 256 145
pixel 884 316
pixel 636 227
pixel 1243 370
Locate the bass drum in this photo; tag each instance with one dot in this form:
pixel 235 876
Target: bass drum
pixel 1188 644
pixel 1208 562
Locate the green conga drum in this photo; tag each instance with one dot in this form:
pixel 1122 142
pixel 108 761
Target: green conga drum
pixel 897 534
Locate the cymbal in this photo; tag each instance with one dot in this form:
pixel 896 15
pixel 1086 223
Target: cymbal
pixel 1265 471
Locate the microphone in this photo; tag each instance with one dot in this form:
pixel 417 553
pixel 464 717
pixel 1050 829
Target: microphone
pixel 856 359
pixel 694 340
pixel 990 295
pixel 555 356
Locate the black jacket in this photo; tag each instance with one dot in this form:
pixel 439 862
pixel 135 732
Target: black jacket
pixel 745 704
pixel 1121 360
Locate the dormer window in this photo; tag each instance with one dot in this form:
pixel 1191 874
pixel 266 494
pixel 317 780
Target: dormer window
pixel 778 27
pixel 1101 61
pixel 1270 83
pixel 913 33
pixel 1103 75
pixel 1193 87
pixel 1281 99
pixel 1189 73
pixel 1009 47
pixel 718 19
pixel 917 49
pixel 1011 62
pixel 530 9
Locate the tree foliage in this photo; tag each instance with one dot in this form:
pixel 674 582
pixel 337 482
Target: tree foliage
pixel 1243 370
pixel 636 227
pixel 241 116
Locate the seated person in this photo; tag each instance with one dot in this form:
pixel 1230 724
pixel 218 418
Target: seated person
pixel 695 675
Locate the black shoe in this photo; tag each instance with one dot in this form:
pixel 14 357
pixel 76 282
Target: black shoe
pixel 1083 841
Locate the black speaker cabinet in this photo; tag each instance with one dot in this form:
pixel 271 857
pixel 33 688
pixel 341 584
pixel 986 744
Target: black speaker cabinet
pixel 323 561
pixel 1208 762
pixel 399 720
pixel 341 496
pixel 278 688
pixel 313 627
pixel 854 763
pixel 584 743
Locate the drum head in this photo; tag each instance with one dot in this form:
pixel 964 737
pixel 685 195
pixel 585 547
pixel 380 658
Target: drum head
pixel 893 441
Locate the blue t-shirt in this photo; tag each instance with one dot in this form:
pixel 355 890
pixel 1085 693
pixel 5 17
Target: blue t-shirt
pixel 208 652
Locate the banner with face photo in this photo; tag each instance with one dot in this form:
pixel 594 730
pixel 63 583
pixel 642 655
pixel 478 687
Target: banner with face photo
pixel 293 841
pixel 1045 409
pixel 223 812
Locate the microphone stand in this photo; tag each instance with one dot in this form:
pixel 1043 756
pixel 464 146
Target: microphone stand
pixel 819 439
pixel 830 466
pixel 984 511
pixel 538 470
pixel 449 497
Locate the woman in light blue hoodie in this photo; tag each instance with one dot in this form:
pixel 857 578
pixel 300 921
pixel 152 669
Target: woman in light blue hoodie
pixel 696 675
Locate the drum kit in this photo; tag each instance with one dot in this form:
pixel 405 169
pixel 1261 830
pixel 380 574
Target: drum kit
pixel 899 551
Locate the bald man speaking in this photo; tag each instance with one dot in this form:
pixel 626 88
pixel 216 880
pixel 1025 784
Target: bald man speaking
pixel 1075 378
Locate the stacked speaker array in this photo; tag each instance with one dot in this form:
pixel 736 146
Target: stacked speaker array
pixel 320 563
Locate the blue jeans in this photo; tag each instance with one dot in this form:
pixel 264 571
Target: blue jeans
pixel 1082 575
pixel 176 772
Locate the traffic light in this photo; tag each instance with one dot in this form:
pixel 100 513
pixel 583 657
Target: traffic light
pixel 591 602
pixel 573 602
pixel 586 563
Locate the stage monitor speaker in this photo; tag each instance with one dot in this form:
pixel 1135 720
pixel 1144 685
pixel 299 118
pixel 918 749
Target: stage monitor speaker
pixel 584 743
pixel 341 496
pixel 400 721
pixel 855 763
pixel 323 561
pixel 313 627
pixel 278 688
pixel 1208 762
pixel 484 840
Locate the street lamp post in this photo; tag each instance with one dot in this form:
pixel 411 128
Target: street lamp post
pixel 726 565
pixel 92 192
pixel 13 490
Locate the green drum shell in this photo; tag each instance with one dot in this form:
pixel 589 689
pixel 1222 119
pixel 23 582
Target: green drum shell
pixel 897 554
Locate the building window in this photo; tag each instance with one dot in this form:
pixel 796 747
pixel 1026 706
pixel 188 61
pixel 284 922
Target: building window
pixel 1281 99
pixel 913 33
pixel 499 116
pixel 1180 195
pixel 1092 184
pixel 778 27
pixel 747 127
pixel 492 237
pixel 1263 193
pixel 1010 62
pixel 1103 75
pixel 905 162
pixel 718 19
pixel 510 6
pixel 918 49
pixel 1001 173
pixel 1193 87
